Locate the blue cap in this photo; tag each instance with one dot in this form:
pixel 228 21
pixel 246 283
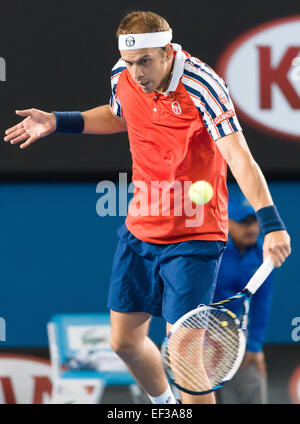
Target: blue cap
pixel 239 207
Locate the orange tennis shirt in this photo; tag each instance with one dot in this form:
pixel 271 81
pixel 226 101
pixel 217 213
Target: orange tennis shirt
pixel 172 141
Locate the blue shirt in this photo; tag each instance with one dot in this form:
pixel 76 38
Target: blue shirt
pixel 236 269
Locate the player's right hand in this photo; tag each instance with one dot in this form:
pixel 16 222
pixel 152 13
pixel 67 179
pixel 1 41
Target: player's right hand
pixel 36 124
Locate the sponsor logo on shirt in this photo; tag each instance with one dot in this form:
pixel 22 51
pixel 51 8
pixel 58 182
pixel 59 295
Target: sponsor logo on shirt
pixel 224 116
pixel 223 99
pixel 176 108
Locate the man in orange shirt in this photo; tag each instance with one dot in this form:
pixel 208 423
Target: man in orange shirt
pixel 182 128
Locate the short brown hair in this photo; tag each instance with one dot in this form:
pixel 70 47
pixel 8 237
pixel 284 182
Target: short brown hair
pixel 140 22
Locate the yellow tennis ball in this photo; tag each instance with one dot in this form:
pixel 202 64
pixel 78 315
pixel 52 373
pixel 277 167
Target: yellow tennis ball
pixel 200 192
pixel 224 323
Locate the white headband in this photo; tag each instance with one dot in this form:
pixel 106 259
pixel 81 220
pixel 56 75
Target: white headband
pixel 145 41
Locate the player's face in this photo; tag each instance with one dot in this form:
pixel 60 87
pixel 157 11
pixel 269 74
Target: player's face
pixel 244 235
pixel 150 68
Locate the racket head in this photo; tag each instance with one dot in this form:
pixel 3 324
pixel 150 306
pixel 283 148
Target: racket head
pixel 203 349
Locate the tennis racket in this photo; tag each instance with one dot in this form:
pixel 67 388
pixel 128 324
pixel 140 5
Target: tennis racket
pixel 205 347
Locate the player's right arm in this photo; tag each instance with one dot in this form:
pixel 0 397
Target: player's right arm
pixel 37 124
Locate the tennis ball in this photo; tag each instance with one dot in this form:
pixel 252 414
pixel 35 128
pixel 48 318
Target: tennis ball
pixel 224 323
pixel 200 192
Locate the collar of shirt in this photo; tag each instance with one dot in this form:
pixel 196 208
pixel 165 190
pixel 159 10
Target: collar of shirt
pixel 178 68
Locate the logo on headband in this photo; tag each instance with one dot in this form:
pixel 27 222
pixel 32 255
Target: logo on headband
pixel 130 41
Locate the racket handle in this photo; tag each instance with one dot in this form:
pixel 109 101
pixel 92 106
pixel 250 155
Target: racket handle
pixel 260 276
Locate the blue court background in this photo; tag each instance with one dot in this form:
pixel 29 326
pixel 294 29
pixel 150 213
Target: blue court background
pixel 56 255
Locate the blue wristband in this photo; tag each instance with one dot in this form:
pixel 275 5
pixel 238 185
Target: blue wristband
pixel 69 122
pixel 270 220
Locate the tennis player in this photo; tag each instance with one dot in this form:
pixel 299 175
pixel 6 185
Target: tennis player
pixel 182 126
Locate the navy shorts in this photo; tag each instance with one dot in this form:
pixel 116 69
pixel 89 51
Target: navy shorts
pixel 164 280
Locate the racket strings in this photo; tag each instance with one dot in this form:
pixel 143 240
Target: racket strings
pixel 183 373
pixel 215 331
pixel 181 365
pixel 214 322
pixel 197 378
pixel 203 350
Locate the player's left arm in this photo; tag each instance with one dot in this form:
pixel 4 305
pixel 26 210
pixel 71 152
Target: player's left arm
pixel 252 182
